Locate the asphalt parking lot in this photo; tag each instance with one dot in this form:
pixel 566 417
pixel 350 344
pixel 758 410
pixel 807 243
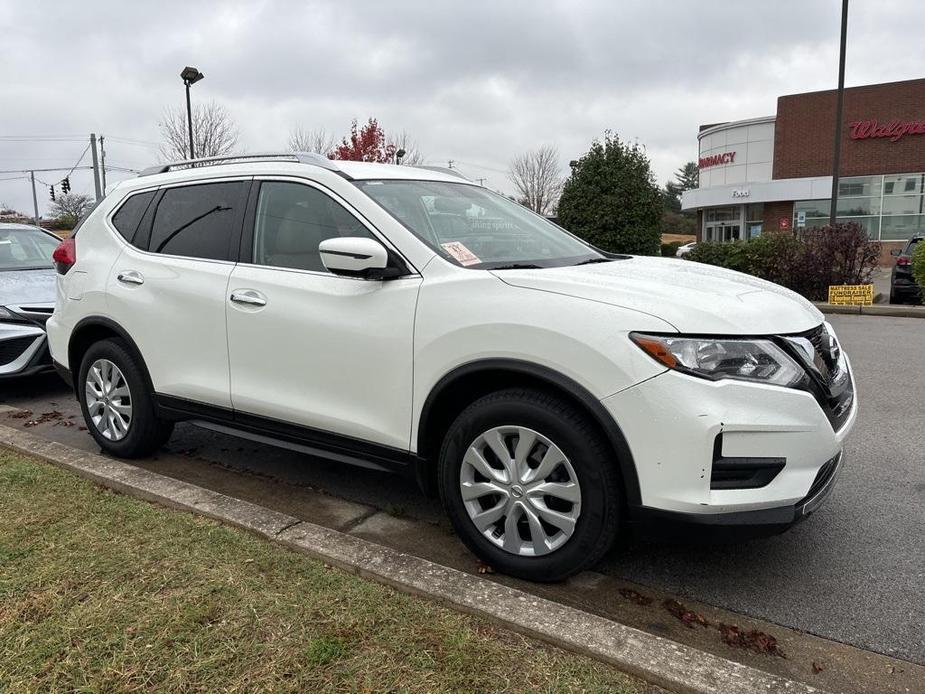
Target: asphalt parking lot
pixel 854 572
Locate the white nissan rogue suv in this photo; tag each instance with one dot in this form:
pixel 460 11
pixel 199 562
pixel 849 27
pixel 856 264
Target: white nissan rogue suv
pixel 403 318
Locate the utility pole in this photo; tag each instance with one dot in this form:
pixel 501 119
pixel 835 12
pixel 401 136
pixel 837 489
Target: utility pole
pixel 96 167
pixel 450 164
pixel 481 181
pixel 103 164
pixel 839 113
pixel 35 200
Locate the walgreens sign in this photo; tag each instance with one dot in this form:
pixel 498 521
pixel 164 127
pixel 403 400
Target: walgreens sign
pixel 894 129
pixel 716 160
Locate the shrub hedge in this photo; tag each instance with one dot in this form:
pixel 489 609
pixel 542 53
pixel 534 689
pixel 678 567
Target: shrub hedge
pixel 806 261
pixel 918 266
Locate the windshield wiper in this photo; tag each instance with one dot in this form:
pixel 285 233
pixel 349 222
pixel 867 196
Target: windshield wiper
pixel 590 261
pixel 516 266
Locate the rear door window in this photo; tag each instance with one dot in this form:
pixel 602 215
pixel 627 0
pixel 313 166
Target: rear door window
pixel 199 221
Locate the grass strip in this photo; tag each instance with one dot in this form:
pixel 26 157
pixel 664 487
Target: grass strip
pixel 105 593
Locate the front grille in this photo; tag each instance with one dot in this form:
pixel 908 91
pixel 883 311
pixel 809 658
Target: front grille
pixel 36 314
pixel 10 350
pixel 818 339
pixel 828 378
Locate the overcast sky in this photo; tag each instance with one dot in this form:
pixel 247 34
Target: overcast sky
pixel 476 82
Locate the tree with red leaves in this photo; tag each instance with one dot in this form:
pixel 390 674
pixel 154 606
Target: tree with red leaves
pixel 365 144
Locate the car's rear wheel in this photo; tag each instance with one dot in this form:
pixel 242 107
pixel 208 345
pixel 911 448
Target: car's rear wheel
pixel 116 402
pixel 530 485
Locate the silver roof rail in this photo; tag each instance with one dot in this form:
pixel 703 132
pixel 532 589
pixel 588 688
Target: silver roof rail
pixel 442 169
pixel 312 158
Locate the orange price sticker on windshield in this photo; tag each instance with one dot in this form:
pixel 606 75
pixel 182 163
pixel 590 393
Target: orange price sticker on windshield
pixel 461 253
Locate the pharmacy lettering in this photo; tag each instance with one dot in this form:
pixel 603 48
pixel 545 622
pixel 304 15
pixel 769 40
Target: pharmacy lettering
pixel 717 159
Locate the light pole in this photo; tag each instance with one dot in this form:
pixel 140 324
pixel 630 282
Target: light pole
pixel 190 76
pixel 839 113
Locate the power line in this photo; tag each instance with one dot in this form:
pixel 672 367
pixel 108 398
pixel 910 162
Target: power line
pixel 42 138
pixel 130 141
pixel 60 168
pixel 479 166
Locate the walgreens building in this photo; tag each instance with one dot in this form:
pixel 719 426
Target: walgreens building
pixel 775 172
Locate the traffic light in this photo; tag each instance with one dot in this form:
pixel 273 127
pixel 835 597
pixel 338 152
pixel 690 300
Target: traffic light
pixel 52 189
pixel 66 185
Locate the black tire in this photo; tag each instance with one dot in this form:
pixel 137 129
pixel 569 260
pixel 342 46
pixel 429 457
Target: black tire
pixel 894 299
pixel 591 458
pixel 146 433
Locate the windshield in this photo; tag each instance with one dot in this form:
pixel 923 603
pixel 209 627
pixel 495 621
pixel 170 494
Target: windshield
pixel 25 249
pixel 476 228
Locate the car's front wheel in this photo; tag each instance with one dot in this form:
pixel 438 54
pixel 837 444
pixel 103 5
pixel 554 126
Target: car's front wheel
pixel 116 402
pixel 530 485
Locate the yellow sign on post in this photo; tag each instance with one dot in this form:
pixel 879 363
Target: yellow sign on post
pixel 851 294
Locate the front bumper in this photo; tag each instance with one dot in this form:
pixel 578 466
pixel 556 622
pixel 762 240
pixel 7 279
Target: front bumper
pixel 23 350
pixel 738 524
pixel 678 427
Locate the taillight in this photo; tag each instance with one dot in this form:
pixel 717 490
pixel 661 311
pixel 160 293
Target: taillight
pixel 65 256
pixel 903 260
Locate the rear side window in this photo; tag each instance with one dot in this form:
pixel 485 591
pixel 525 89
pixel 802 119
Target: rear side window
pixel 198 221
pixel 127 218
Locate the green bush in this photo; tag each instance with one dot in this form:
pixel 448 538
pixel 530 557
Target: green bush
pixel 806 262
pixel 918 266
pixel 611 200
pixel 670 250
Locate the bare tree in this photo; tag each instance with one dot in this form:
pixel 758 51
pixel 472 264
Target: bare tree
pixel 413 155
pixel 214 132
pixel 536 176
pixel 69 208
pixel 319 140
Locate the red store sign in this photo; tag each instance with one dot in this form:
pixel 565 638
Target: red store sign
pixel 893 129
pixel 716 160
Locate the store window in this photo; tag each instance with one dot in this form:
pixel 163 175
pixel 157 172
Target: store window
pixel 857 207
pixel 860 186
pixel 902 227
pixel 754 220
pixel 889 208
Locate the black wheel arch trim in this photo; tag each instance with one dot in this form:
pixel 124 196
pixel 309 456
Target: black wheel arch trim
pixel 122 333
pixel 557 380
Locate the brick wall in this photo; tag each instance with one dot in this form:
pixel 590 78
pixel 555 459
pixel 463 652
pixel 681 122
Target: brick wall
pixel 804 131
pixel 773 212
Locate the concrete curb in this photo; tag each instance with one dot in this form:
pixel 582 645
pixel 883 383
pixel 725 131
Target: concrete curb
pixel 657 660
pixel 894 310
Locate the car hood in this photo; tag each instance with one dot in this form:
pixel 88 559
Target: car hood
pixel 27 287
pixel 693 297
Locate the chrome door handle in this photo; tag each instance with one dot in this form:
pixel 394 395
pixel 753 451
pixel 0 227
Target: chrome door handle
pixel 130 277
pixel 249 297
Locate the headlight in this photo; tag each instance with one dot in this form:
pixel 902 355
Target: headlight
pixel 7 315
pixel 715 358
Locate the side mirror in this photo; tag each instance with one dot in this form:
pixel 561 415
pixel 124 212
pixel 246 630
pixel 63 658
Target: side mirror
pixel 355 256
pixel 896 252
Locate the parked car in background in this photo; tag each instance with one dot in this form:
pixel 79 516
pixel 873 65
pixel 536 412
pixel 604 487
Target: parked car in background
pixel 903 288
pixel 27 298
pixel 399 318
pixel 685 249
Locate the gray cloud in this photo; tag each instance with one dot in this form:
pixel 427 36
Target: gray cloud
pixel 475 82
